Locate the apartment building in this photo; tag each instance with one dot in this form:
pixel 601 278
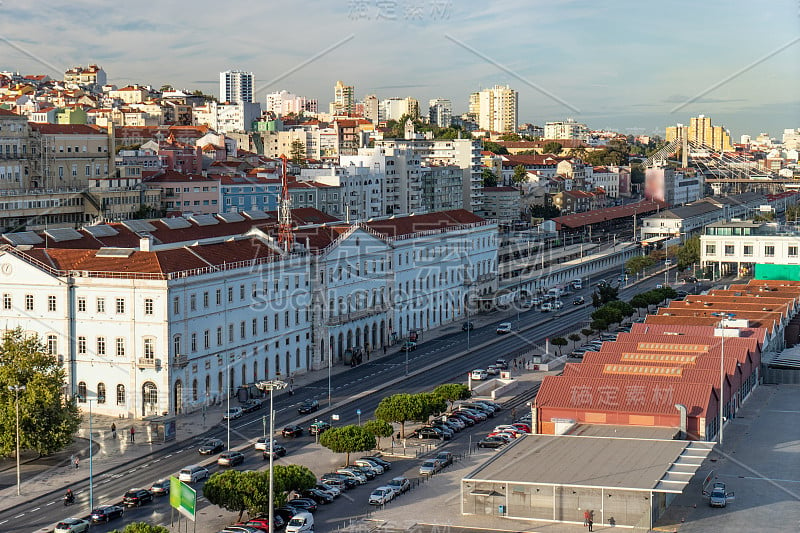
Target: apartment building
pixel 67 156
pixel 440 112
pixel 701 131
pixel 236 86
pixel 495 109
pixel 282 103
pixel 343 99
pixel 568 129
pixel 395 108
pixel 186 193
pixel 14 166
pixel 502 204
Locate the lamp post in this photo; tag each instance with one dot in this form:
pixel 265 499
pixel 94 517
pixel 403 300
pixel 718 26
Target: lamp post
pixel 17 389
pixel 271 385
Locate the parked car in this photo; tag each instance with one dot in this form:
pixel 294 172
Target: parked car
pixel 72 525
pixel 137 497
pixel 502 364
pixel 494 406
pixel 230 459
pixel 308 406
pixel 472 415
pixel 211 446
pixel 408 346
pixel 400 484
pixel 277 451
pixel 160 487
pixel 377 468
pixel 253 404
pixel 233 413
pixel 292 431
pixel 463 418
pixel 381 461
pixel 719 496
pixel 338 479
pixel 329 489
pixel 429 467
pixel 304 504
pixel 445 458
pixel 381 496
pixel 484 408
pixel 263 523
pixel 367 471
pixel 317 495
pixel 427 433
pixel 106 513
pixel 501 435
pixel 479 374
pixel 193 473
pixel 504 327
pixel 526 428
pixel 492 370
pixel 491 442
pixel 579 300
pixel 285 512
pixel 452 426
pixel 536 300
pixel 318 427
pixel 354 474
pixel 467 326
pixel 302 522
pixel 456 422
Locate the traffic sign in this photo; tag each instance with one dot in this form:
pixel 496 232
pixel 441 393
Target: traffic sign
pixel 358 411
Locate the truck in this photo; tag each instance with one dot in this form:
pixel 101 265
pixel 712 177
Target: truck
pixel 555 292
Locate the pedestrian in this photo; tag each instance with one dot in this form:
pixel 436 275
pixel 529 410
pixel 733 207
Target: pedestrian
pixel 77 461
pixel 72 459
pixel 113 430
pixel 133 434
pixel 590 523
pixel 586 517
pixel 398 436
pixel 384 349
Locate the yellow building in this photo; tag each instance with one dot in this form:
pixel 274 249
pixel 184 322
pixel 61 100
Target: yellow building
pixel 71 115
pixel 701 131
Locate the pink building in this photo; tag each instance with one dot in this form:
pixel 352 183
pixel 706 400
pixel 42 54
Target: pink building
pixel 181 157
pixel 186 193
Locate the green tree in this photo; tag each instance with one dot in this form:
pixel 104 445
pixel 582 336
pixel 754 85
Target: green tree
pixel 579 152
pixel 294 477
pixel 399 408
pixel 599 325
pixel 489 177
pixel 574 337
pixel 587 332
pixel 560 342
pixel 637 174
pixel 520 174
pixel 793 213
pixel 379 428
pixel 689 253
pixel 640 301
pixel 607 293
pixel 607 314
pixel 297 152
pixel 624 308
pixel 452 392
pixel 495 148
pixel 545 211
pixel 47 420
pixel 552 147
pixel 239 491
pixel 513 137
pixel 142 527
pixel 348 439
pixel 639 263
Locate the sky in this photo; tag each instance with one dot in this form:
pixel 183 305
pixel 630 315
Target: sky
pixel 631 66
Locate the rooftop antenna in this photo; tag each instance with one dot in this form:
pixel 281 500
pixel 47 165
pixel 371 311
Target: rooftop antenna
pixel 285 235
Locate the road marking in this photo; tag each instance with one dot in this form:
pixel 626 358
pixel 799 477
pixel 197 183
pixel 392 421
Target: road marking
pixel 167 457
pixel 4 521
pixel 19 515
pixel 51 503
pixel 156 460
pixel 32 510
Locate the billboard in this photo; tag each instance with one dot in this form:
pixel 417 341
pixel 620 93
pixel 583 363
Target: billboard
pixel 182 497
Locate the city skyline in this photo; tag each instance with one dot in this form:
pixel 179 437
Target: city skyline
pixel 612 67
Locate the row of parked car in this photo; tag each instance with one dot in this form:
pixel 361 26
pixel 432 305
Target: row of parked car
pixel 480 374
pixel 464 415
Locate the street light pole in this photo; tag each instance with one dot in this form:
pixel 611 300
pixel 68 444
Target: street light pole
pixel 271 385
pixel 17 389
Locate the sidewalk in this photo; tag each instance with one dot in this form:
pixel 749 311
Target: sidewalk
pixel 42 475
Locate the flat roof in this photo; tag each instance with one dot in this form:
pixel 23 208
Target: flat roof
pixel 626 432
pixel 603 462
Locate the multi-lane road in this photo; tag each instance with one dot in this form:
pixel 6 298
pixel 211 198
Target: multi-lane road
pixel 445 359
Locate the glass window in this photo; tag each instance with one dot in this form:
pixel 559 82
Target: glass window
pixel 148 306
pixel 81 345
pixel 219 336
pixel 192 302
pixel 149 348
pixel 120 347
pixel 81 392
pixel 51 303
pixel 748 250
pixel 711 249
pixel 29 302
pixel 120 306
pixel 52 345
pixel 769 250
pixel 219 296
pixel 206 339
pixel 176 344
pixel 729 249
pixel 120 394
pixel 101 393
pixel 793 251
pixel 81 304
pixel 6 302
pixel 101 345
pixel 193 342
pixel 176 305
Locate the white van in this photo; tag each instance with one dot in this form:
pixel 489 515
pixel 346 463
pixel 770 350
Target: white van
pixel 576 284
pixel 301 523
pixel 193 473
pixel 555 292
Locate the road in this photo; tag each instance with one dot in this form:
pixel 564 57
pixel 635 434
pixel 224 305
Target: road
pixel 529 330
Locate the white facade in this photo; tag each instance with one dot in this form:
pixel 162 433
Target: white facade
pixel 395 108
pixel 495 109
pixel 401 187
pixel 568 129
pixel 227 118
pixel 735 247
pixel 283 102
pixel 440 112
pixel 236 86
pixel 360 188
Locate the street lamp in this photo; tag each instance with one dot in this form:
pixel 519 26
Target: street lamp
pixel 271 385
pixel 16 389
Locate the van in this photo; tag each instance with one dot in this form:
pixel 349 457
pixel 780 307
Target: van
pixel 555 292
pixel 193 473
pixel 576 284
pixel 301 523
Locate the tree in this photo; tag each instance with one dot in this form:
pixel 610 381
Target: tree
pixel 607 293
pixel 639 301
pixel 495 148
pixel 599 325
pixel 402 408
pixel 294 477
pixel 379 428
pixel 587 332
pixel 639 263
pixel 689 253
pixel 560 342
pixel 142 527
pixel 348 439
pixel 240 491
pixel 520 174
pixel 607 314
pixel 574 337
pixel 47 420
pixel 624 308
pixel 297 152
pixel 432 404
pixel 545 211
pixel 552 147
pixel 510 137
pixel 579 152
pixel 452 392
pixel 489 177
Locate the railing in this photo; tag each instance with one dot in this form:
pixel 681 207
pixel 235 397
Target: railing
pixel 180 360
pixel 357 315
pixel 148 362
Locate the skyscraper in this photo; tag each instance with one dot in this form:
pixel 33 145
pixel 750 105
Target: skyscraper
pixel 495 109
pixel 236 86
pixel 440 112
pixel 343 100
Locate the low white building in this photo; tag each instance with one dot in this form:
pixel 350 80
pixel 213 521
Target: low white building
pixel 736 247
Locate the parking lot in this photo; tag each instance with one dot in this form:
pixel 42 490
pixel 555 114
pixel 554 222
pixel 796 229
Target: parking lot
pixel 760 463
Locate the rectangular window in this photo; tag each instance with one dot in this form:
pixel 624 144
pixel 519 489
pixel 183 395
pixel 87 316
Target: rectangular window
pixel 711 249
pixel 793 251
pixel 120 306
pixel 286 318
pixel 219 296
pixel 52 345
pixel 230 294
pixel 101 305
pixel 206 339
pixel 81 304
pixel 176 305
pixel 51 304
pixel 6 302
pixel 243 329
pixel 729 249
pixel 230 332
pixel 265 323
pixel 120 395
pixel 150 349
pixel 255 327
pixel 205 300
pixel 29 302
pixel 748 250
pixel 101 345
pixel 769 251
pixel 241 292
pixel 219 336
pixel 148 306
pixel 193 342
pixel 277 322
pixel 81 345
pixel 193 302
pixel 120 347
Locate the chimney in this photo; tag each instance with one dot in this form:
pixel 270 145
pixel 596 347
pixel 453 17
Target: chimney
pixel 146 243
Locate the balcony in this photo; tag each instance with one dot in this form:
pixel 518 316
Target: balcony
pixel 338 320
pixel 180 360
pixel 149 362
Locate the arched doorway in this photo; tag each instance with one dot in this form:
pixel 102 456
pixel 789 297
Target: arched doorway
pixel 149 399
pixel 366 337
pixel 177 397
pixel 375 336
pixel 244 373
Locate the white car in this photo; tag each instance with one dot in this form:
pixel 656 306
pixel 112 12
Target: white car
pixel 72 525
pixel 479 374
pixel 504 327
pixel 547 307
pixel 492 370
pixel 233 413
pixel 381 496
pixel 262 444
pixel 400 484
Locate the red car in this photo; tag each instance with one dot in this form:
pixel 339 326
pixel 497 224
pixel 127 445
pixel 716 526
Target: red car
pixel 522 427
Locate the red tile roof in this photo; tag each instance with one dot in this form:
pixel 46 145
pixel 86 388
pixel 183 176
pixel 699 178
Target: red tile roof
pixel 408 225
pixel 67 129
pixel 610 213
pixel 171 176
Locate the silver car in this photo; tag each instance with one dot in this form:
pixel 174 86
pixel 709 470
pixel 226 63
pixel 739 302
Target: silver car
pixel 429 467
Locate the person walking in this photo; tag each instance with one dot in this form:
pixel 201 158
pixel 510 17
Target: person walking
pixel 586 518
pixel 77 461
pixel 133 434
pixel 113 430
pixel 590 523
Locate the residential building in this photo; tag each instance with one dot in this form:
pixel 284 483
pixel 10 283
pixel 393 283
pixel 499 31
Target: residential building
pixel 441 187
pixel 343 99
pixel 370 108
pixel 14 165
pixel 665 184
pixel 568 129
pixel 249 193
pixel 609 178
pixel 440 112
pixel 502 204
pixel 495 109
pixel 742 247
pixel 236 87
pixel 791 139
pixel 701 131
pixel 91 77
pixel 285 103
pixel 67 156
pixel 186 193
pixel 227 117
pixel 396 108
pixel 131 94
pixel 395 173
pixel 176 156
